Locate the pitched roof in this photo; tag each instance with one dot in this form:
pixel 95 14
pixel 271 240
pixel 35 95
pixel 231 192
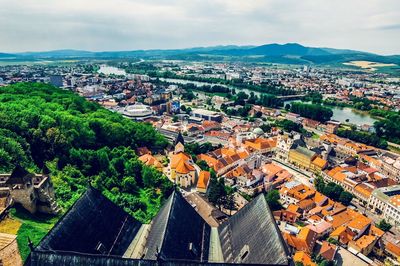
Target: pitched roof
pixel 183 167
pixel 301 256
pixel 204 177
pixel 178 232
pixel 365 241
pixel 93 225
pixel 393 249
pixel 304 151
pixel 343 233
pixel 318 161
pixel 359 222
pixel 328 250
pixel 252 236
pixel 150 160
pixel 19 176
pixel 179 139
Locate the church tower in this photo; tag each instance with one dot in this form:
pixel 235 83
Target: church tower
pixel 179 144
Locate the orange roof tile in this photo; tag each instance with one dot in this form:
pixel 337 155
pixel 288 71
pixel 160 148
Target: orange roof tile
pixel 319 162
pixel 343 234
pixel 304 258
pixel 393 249
pixel 364 190
pixel 365 241
pixel 177 158
pixel 328 250
pixel 359 222
pixel 342 218
pixel 150 160
pixel 184 167
pixel 375 231
pixel 204 177
pixel 292 208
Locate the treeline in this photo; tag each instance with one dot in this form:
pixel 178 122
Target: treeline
pixel 389 128
pixel 206 88
pixel 371 139
pixel 289 126
pixel 363 104
pixel 266 87
pixel 312 111
pixel 81 143
pixel 313 97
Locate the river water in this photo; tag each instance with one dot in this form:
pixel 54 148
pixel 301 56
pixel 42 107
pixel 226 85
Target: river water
pixel 199 84
pixel 340 114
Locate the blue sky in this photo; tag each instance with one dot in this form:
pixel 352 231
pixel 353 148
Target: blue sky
pixel 98 25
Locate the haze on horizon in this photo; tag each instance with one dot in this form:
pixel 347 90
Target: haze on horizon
pixel 31 25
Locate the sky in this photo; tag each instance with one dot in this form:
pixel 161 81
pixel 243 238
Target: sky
pixel 99 25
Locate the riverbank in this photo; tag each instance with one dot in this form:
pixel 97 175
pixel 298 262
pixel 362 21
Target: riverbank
pixel 346 115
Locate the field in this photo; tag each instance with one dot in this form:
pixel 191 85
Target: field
pixel 368 65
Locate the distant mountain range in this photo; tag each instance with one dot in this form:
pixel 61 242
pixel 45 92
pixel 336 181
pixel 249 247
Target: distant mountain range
pixel 290 53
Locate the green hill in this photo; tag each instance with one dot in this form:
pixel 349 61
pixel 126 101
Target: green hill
pixel 81 143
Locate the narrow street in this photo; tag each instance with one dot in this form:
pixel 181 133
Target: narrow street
pixel 300 175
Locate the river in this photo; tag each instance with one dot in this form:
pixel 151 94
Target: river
pixel 199 84
pixel 342 113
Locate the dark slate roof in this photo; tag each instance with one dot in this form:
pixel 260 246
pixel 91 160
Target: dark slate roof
pixel 298 143
pixel 40 258
pixel 92 221
pixel 317 150
pixel 20 176
pixel 251 236
pixel 178 232
pixel 180 139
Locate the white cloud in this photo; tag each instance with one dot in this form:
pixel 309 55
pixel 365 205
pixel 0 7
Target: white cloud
pixel 371 25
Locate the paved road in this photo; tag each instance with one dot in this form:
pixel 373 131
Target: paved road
pixel 300 175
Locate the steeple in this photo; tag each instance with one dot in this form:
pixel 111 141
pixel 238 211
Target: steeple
pixel 180 139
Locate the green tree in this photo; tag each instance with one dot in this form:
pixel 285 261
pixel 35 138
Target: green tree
pixel 345 198
pixel 216 191
pixel 230 203
pixel 319 184
pixel 384 226
pixel 272 198
pixel 203 165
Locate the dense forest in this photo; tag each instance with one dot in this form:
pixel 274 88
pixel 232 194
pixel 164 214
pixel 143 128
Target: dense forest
pixel 80 143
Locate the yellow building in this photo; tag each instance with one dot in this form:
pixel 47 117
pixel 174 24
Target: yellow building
pixel 301 157
pixel 318 164
pixel 307 159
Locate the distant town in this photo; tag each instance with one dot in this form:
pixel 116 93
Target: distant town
pixel 319 145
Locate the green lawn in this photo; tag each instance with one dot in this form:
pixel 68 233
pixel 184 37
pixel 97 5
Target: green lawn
pixel 33 226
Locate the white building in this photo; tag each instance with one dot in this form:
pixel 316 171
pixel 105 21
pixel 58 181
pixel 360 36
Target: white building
pixel 387 201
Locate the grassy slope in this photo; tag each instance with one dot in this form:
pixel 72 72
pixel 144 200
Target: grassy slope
pixel 34 227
